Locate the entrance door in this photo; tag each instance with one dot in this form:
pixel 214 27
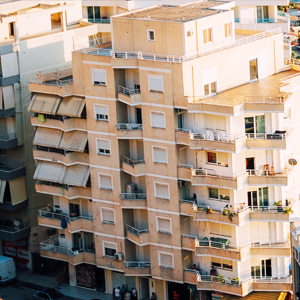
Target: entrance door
pixel 266 268
pixel 250 163
pixel 252 198
pixel 253 69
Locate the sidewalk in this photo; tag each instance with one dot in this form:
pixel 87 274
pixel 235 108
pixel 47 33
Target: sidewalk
pixel 36 281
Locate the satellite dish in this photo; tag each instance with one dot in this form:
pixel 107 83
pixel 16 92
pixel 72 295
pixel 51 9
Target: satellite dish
pixel 292 162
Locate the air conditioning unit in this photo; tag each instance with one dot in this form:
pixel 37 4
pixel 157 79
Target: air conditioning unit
pixel 180 183
pixel 119 256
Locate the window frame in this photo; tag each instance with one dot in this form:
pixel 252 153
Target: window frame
pixel 218 199
pixel 159 259
pixel 220 230
pixel 111 243
pixel 158 113
pixel 221 267
pixel 217 161
pixel 99 181
pixel 95 113
pixel 102 218
pixel 157 162
pixel 211 35
pixel 97 148
pixel 162 231
pixel 155 190
pixel 228 25
pixel 149 35
pixel 99 70
pixel 210 93
pixel 149 86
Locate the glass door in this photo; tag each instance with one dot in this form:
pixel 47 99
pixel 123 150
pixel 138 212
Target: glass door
pixel 252 199
pixel 266 268
pixel 263 196
pixel 253 69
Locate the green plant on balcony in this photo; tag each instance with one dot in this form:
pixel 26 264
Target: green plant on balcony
pixel 199 208
pixel 278 203
pixel 225 212
pixel 230 215
pixel 221 278
pixel 209 211
pixel 288 210
pixel 234 281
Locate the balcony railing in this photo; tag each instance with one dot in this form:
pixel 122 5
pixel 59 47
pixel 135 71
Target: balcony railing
pixel 52 81
pixel 127 92
pixel 210 172
pixel 269 279
pixel 219 245
pixel 137 264
pixel 221 279
pixel 268 136
pixel 60 216
pixel 99 20
pixel 215 135
pixel 263 244
pixel 129 126
pixel 260 20
pixel 197 272
pixel 52 245
pixel 135 231
pixel 131 162
pixel 236 208
pixel 133 196
pixel 272 172
pixel 7 137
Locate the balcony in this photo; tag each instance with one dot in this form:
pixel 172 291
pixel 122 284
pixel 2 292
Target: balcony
pixel 186 207
pixel 191 276
pixel 268 177
pixel 14 233
pixel 8 141
pixel 137 268
pixel 270 213
pixel 11 172
pixel 280 284
pixel 8 206
pixel 136 236
pixel 225 285
pixel 184 172
pixel 238 215
pixel 273 249
pixel 51 249
pixel 133 200
pixel 74 224
pixel 7 113
pixel 209 177
pixel 209 139
pixel 129 131
pixel 274 141
pixel 69 192
pixel 133 167
pixel 129 96
pixel 221 247
pixel 188 242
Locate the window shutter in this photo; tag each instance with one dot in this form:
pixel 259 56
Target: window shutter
pixel 99 77
pixel 8 97
pixel 226 230
pixel 214 228
pixel 108 216
pixel 103 145
pixel 158 120
pixel 101 112
pixel 223 159
pixel 162 191
pixel 106 182
pixel 164 225
pixel 156 83
pixel 166 260
pixel 159 155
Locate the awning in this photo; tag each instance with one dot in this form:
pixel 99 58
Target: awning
pixel 74 140
pixel 2 189
pixel 50 171
pixel 47 137
pixel 77 175
pixel 71 106
pixel 44 103
pixel 17 189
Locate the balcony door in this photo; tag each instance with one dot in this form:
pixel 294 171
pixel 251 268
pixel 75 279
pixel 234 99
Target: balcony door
pixel 252 199
pixel 250 165
pixel 262 14
pixel 255 126
pixel 266 268
pixel 258 198
pixel 253 69
pixel 138 113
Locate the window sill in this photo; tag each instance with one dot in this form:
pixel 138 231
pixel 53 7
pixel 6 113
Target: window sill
pixel 158 162
pixel 159 92
pixel 105 154
pixel 158 127
pixel 162 198
pixel 103 120
pixel 108 222
pixel 165 232
pixel 166 267
pixel 109 256
pixel 106 189
pixel 98 84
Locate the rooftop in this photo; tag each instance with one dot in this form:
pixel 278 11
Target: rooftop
pixel 176 13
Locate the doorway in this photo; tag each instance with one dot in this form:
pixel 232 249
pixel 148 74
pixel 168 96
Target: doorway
pixel 266 268
pixel 253 69
pixel 138 113
pixel 252 199
pixel 262 14
pixel 250 163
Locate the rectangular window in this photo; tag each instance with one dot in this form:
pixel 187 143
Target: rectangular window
pixel 151 35
pixel 212 157
pixel 227 264
pixel 219 194
pixel 159 155
pixel 105 182
pixel 221 263
pixel 216 262
pixel 2 152
pixel 109 249
pixel 255 124
pixel 107 215
pixel 101 112
pixel 155 83
pixel 220 158
pixel 227 27
pixel 163 225
pixel 207 36
pixel 161 190
pixel 165 260
pixel 158 119
pixel 220 229
pixel 103 147
pixel 210 89
pixel 99 77
pixel 213 193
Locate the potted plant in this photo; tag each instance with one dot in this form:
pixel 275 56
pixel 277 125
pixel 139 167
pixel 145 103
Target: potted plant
pixel 230 215
pixel 209 210
pixel 221 278
pixel 225 212
pixel 288 210
pixel 235 281
pixel 279 206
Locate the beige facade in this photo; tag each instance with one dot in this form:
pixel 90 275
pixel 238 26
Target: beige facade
pixel 171 114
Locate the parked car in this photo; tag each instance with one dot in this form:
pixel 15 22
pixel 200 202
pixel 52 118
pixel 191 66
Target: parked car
pixel 49 294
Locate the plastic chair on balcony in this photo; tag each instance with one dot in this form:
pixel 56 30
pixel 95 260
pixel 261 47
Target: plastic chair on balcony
pixel 266 169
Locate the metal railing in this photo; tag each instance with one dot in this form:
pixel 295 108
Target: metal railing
pixel 52 81
pixel 133 196
pixel 13 229
pixel 60 216
pixel 221 279
pixel 236 208
pixel 94 46
pixel 185 166
pixel 189 201
pixel 215 135
pixel 52 245
pixel 218 245
pixel 129 126
pixel 137 264
pixel 196 272
pixel 11 168
pixel 8 137
pixel 272 172
pixel 214 173
pixel 136 231
pixel 292 61
pixel 127 92
pixel 269 279
pixel 268 136
pixel 262 244
pixel 99 20
pixel 131 162
pixel 260 20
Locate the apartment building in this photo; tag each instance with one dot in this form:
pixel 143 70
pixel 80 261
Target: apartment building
pixel 172 151
pixel 33 37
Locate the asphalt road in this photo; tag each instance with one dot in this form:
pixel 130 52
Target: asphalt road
pixel 15 291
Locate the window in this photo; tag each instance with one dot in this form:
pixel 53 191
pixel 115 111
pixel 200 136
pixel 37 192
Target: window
pixel 93 13
pixel 163 225
pixel 158 119
pixel 255 124
pixel 165 260
pixel 207 36
pixel 161 190
pixel 210 89
pixel 219 194
pixel 11 29
pixel 151 35
pixel 159 155
pixel 220 229
pixel 221 263
pixel 217 158
pixel 155 83
pixel 103 147
pixel 99 77
pixel 101 112
pixel 107 215
pixel 109 249
pixel 227 27
pixel 105 182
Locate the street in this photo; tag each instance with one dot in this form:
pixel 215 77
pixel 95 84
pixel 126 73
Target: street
pixel 16 291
